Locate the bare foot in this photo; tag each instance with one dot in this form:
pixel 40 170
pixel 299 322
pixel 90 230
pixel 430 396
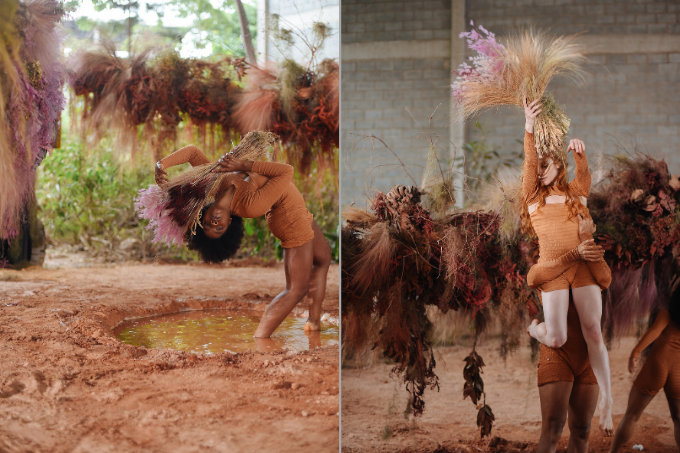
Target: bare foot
pixel 531 330
pixel 311 325
pixel 606 424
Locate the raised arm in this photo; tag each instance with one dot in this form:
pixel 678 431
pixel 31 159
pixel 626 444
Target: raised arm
pixel 581 184
pixel 530 178
pixel 191 154
pixel 662 320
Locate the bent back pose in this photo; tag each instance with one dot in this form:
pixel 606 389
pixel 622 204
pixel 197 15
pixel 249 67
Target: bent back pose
pixel 551 209
pixel 661 370
pixel 251 190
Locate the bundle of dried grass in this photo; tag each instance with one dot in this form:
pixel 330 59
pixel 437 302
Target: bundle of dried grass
pixel 174 209
pixel 521 68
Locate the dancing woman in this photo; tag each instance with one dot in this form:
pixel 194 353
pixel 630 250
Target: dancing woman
pixel 206 204
pixel 551 209
pixel 661 370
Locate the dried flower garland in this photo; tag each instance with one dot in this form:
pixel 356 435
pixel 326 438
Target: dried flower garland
pixel 31 99
pixel 397 260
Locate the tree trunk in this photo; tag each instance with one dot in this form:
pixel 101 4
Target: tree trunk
pixel 245 33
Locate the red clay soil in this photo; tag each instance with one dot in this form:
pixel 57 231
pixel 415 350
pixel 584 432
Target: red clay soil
pixel 68 385
pixel 373 407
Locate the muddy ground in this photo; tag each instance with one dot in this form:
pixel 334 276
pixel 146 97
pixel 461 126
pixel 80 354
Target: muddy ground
pixel 68 385
pixel 373 407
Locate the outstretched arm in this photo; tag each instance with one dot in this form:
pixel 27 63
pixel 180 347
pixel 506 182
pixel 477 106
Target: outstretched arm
pixel 530 179
pixel 581 184
pixel 191 154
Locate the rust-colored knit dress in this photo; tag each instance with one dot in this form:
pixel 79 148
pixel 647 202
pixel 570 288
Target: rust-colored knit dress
pixel 275 197
pixel 662 368
pixel 559 265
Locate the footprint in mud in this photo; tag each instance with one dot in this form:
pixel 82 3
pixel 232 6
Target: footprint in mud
pixel 35 383
pixel 14 388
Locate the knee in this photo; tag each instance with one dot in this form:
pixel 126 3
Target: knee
pixel 557 340
pixel 581 432
pixel 592 333
pixel 555 427
pixel 299 290
pixel 324 260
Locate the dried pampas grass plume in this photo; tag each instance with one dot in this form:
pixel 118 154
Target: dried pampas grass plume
pixel 504 198
pixel 521 68
pixel 256 107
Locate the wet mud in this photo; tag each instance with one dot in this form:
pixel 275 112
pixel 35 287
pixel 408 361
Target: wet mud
pixel 67 384
pixel 215 331
pixel 374 405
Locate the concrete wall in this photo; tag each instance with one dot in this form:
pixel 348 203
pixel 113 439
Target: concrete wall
pixel 395 59
pixel 299 16
pixel 397 55
pixel 633 94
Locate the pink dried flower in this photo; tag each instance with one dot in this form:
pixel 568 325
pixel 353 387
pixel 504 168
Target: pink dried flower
pixel 151 204
pixel 486 67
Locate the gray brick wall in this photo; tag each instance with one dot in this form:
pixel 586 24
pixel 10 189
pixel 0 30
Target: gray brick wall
pixel 576 16
pixel 375 99
pixel 375 20
pixel 629 97
pixel 377 93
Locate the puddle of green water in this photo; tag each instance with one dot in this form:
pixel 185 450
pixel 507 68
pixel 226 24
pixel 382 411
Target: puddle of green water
pixel 220 331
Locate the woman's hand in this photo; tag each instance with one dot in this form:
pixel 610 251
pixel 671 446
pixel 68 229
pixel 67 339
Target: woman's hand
pixel 577 145
pixel 589 251
pixel 632 364
pixel 586 227
pixel 161 176
pixel 229 163
pixel 531 111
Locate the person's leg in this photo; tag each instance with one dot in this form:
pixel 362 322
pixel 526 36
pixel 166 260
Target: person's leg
pixel 297 262
pixel 554 406
pixel 588 303
pixel 582 404
pixel 637 402
pixel 317 287
pixel 674 406
pixel 552 332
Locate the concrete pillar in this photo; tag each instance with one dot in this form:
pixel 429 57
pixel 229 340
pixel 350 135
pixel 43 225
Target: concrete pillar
pixel 456 128
pixel 262 31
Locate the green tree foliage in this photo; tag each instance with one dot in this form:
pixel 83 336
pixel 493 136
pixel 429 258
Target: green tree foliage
pixel 217 21
pixel 214 22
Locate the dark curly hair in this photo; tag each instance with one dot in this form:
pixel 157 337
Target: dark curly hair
pixel 220 249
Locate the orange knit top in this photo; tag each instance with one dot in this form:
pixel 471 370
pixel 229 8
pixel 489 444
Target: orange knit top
pixel 667 332
pixel 557 233
pixel 275 197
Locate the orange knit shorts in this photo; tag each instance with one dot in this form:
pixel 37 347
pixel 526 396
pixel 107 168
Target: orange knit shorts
pixel 662 369
pixel 555 365
pixel 576 276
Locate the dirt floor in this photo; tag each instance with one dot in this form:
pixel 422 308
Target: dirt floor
pixel 68 385
pixel 373 408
